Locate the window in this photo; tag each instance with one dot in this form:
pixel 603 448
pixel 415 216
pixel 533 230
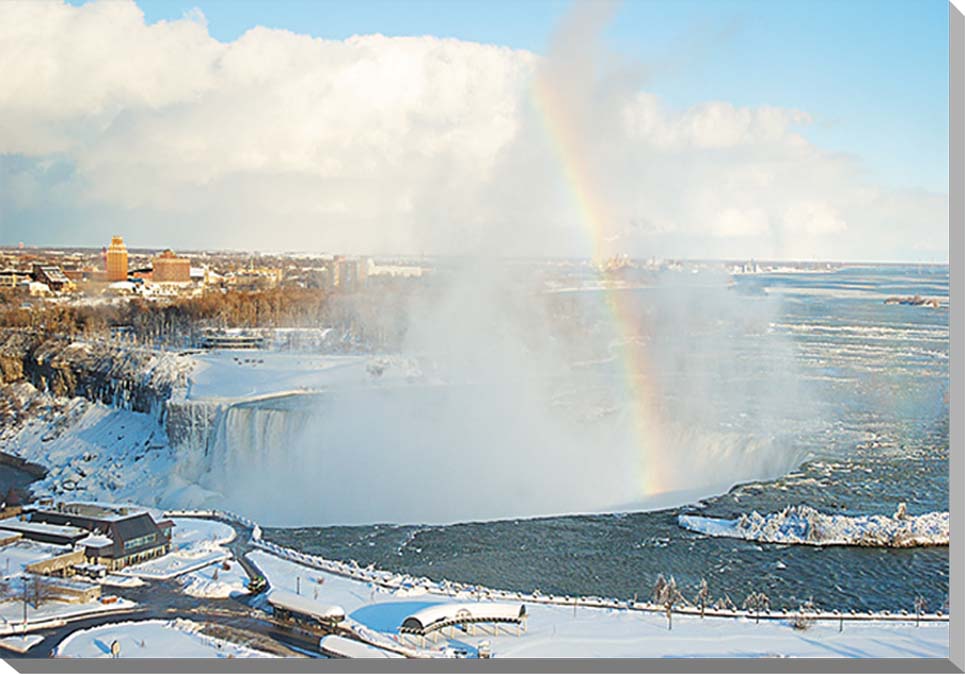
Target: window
pixel 131 544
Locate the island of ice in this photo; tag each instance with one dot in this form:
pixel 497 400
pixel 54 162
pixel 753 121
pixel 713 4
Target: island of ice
pixel 806 525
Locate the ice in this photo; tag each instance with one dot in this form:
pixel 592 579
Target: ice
pixel 806 525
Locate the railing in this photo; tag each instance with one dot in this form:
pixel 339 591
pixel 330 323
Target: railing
pixel 398 581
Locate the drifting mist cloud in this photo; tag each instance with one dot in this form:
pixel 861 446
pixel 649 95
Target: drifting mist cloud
pixel 375 144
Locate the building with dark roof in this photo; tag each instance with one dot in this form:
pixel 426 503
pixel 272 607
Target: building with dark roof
pixel 114 538
pixel 53 276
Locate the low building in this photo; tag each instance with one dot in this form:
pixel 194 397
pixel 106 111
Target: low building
pixel 302 611
pixel 12 278
pixel 53 277
pixel 8 537
pixel 59 565
pixel 169 268
pixel 46 533
pixel 74 590
pixel 114 538
pixel 34 288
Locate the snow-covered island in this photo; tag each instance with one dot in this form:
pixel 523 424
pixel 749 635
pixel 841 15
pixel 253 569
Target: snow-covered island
pixel 806 525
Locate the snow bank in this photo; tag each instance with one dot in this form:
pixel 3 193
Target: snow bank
pixel 53 612
pixel 806 525
pixel 21 643
pixel 215 581
pixel 179 638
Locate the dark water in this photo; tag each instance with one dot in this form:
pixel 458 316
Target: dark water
pixel 877 435
pixel 11 477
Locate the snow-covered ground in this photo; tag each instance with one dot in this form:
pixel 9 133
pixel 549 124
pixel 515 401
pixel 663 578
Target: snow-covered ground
pixel 215 581
pixel 11 612
pixel 92 451
pixel 14 557
pixel 806 525
pixel 21 643
pixel 559 631
pixel 179 638
pixel 196 544
pixel 245 373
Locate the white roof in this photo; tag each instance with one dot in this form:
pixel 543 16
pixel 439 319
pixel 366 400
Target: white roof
pixel 469 611
pixel 336 645
pixel 18 525
pixel 96 540
pixel 302 605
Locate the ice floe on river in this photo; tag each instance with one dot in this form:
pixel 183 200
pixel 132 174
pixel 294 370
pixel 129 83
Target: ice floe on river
pixel 806 525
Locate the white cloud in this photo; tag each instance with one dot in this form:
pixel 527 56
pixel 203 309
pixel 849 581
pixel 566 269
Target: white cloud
pixel 279 140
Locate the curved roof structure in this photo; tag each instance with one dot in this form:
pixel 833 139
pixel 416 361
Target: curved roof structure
pixel 436 617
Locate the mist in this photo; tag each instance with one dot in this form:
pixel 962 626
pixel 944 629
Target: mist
pixel 528 402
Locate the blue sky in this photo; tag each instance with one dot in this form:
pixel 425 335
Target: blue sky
pixel 685 131
pixel 872 73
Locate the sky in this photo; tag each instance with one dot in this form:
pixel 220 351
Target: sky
pixel 714 128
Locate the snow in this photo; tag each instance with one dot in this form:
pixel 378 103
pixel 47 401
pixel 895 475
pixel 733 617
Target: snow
pixel 806 525
pixel 556 630
pixel 121 581
pixel 95 540
pixel 299 603
pixel 245 374
pixel 11 612
pixel 17 525
pixel 229 582
pixel 15 557
pixel 200 533
pixel 92 451
pixel 179 638
pixel 479 611
pixel 341 647
pixel 196 544
pixel 21 643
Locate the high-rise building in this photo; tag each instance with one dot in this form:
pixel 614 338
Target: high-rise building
pixel 169 267
pixel 116 259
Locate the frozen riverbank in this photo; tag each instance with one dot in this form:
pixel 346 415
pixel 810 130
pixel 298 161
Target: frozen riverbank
pixel 557 629
pixel 806 525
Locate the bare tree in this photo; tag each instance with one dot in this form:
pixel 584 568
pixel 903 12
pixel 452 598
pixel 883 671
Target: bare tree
pixel 669 596
pixel 703 593
pixel 920 608
pixel 805 616
pixel 658 589
pixel 39 590
pixel 757 603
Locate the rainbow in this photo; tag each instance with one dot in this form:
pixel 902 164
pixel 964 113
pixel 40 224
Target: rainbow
pixel 563 130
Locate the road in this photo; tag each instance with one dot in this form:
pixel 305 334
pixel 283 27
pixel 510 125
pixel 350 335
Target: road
pixel 238 619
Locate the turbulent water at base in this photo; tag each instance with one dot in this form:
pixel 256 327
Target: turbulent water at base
pixel 880 373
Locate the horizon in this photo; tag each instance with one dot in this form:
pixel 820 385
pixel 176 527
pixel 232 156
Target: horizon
pixel 427 256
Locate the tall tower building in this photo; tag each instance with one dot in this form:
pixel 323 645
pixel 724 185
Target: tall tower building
pixel 117 259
